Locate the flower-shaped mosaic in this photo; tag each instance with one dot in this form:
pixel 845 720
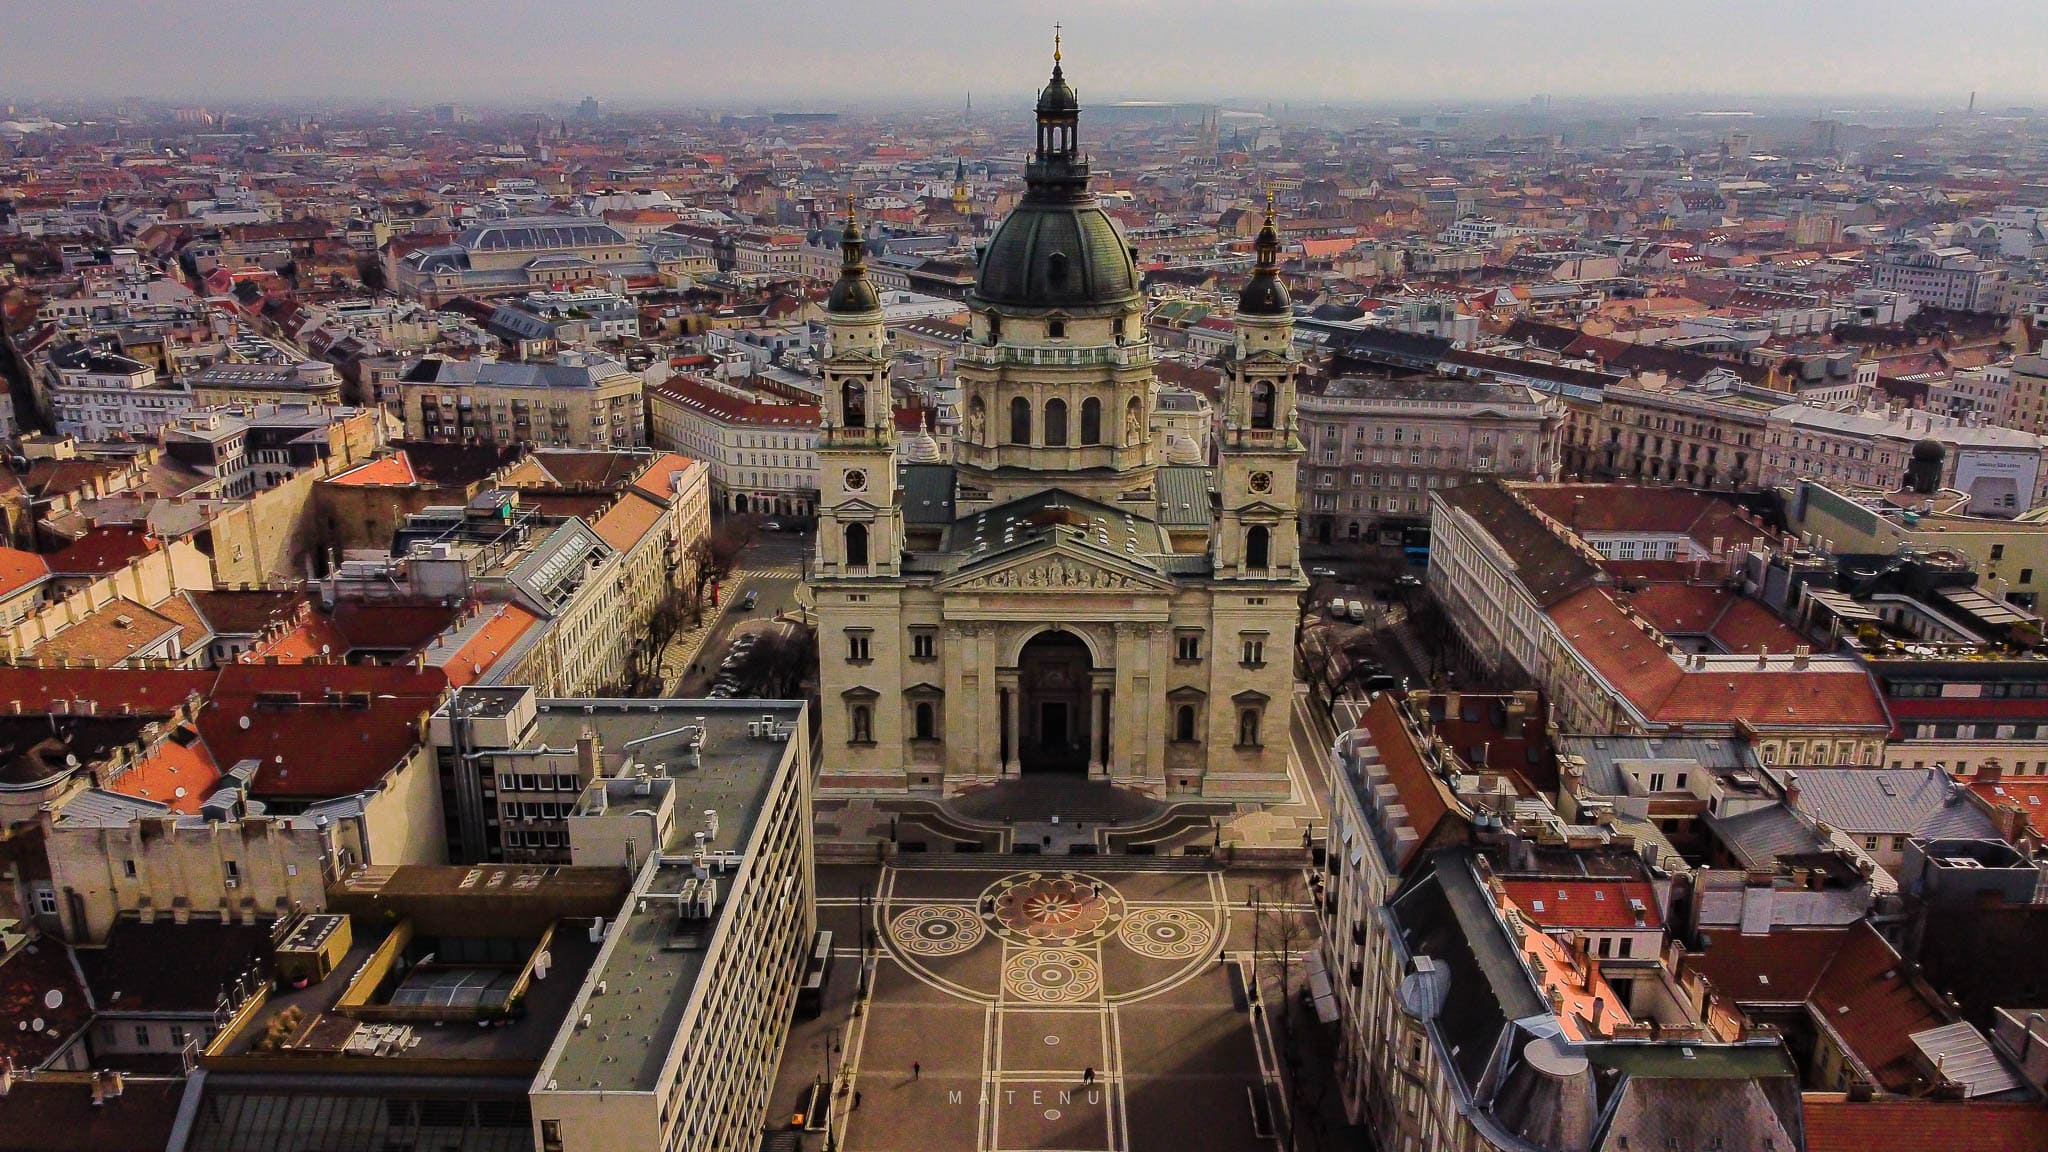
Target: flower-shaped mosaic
pixel 1051 976
pixel 1166 933
pixel 1060 908
pixel 936 930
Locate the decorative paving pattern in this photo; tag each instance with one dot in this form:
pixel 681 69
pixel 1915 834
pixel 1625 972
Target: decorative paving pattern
pixel 1051 976
pixel 937 930
pixel 1166 933
pixel 1039 908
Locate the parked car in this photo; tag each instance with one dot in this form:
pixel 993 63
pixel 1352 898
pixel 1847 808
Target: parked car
pixel 1407 580
pixel 747 602
pixel 1323 573
pixel 1356 611
pixel 772 526
pixel 1381 682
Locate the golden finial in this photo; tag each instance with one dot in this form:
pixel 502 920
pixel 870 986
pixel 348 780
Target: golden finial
pixel 849 204
pixel 1269 204
pixel 1055 43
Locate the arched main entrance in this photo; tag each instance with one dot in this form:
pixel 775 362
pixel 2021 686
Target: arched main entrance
pixel 1055 691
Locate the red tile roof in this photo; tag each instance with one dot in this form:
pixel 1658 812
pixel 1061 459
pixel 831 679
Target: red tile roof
pixel 628 520
pixel 100 551
pixel 1771 967
pixel 148 691
pixel 1636 665
pixel 1836 1124
pixel 392 627
pixel 466 664
pixel 394 471
pixel 658 480
pixel 322 746
pixel 19 570
pixel 1642 508
pixel 730 409
pixel 1571 903
pixel 31 977
pixel 1869 999
pixel 180 775
pixel 1411 778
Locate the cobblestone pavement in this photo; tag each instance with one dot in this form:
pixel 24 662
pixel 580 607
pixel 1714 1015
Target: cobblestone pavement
pixel 1077 1009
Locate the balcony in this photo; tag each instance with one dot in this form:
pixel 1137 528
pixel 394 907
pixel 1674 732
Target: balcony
pixel 1121 356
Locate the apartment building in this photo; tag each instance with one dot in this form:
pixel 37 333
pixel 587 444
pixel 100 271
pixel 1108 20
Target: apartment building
pixel 1951 278
pixel 1709 433
pixel 761 450
pixel 1378 447
pixel 1472 960
pixel 1527 575
pixel 1998 468
pixel 97 395
pixel 679 1024
pixel 305 383
pixel 580 400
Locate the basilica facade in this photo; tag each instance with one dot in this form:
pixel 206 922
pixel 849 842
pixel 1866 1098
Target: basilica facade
pixel 1060 598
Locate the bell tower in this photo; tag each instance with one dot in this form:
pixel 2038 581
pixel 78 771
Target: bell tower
pixel 860 523
pixel 1257 535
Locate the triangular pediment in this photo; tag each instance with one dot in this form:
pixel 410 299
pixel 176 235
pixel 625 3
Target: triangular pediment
pixel 856 507
pixel 1062 564
pixel 1262 509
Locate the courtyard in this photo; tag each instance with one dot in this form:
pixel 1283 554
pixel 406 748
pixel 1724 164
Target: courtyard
pixel 1025 1004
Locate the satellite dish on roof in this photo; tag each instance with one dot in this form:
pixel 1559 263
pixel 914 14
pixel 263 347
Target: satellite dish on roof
pixel 324 650
pixel 53 999
pixel 244 722
pixel 37 1024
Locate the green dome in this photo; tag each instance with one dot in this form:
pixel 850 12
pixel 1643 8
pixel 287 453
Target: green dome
pixel 1057 254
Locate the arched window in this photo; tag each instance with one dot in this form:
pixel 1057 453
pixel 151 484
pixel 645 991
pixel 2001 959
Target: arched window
pixel 927 723
pixel 1056 423
pixel 1262 405
pixel 853 402
pixel 1184 724
pixel 856 545
pixel 1091 421
pixel 1248 728
pixel 1020 421
pixel 863 725
pixel 1258 546
pixel 1134 422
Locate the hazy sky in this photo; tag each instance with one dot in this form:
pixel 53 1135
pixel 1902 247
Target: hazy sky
pixel 831 53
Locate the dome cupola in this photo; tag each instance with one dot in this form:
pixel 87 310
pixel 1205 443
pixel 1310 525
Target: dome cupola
pixel 1057 250
pixel 1265 295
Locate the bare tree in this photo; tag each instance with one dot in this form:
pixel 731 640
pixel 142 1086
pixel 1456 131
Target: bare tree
pixel 779 664
pixel 1281 934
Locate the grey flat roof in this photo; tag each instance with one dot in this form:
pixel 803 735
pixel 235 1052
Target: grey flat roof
pixel 649 973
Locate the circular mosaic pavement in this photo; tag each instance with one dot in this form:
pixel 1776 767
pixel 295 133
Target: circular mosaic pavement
pixel 1166 933
pixel 936 930
pixel 1051 976
pixel 1052 907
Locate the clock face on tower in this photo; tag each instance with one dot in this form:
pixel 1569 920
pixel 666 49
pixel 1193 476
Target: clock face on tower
pixel 1261 481
pixel 856 480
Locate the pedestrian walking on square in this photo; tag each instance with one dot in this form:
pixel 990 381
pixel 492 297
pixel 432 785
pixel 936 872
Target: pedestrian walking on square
pixel 916 1070
pixel 1088 1074
pixel 856 1101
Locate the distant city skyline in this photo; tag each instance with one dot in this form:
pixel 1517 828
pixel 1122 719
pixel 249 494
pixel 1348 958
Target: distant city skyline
pixel 801 53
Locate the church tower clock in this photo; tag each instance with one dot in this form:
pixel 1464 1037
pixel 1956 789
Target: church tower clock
pixel 860 525
pixel 1257 536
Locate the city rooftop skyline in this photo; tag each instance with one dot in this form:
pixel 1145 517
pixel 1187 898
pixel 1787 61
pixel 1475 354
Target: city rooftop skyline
pixel 810 54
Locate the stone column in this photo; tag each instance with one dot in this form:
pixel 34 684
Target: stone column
pixel 1098 730
pixel 1011 702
